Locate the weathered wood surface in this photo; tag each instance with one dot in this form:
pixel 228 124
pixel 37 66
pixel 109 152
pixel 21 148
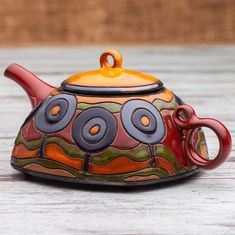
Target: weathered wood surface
pixel 204 204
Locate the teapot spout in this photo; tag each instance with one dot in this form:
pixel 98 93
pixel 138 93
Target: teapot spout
pixel 36 89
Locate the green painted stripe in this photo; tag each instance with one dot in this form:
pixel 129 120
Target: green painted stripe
pixel 150 171
pixel 165 152
pixel 121 177
pixel 161 105
pixel 69 149
pixel 31 145
pixel 140 153
pixel 22 162
pixel 115 107
pixel 145 172
pixel 110 106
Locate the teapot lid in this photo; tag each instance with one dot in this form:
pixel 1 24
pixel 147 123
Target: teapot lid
pixel 111 79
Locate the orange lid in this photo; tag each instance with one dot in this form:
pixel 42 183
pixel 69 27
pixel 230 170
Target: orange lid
pixel 111 79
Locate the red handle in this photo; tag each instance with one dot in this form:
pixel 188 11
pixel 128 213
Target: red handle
pixel 190 123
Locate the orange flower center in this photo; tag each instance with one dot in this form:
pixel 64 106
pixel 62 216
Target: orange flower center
pixel 144 121
pixel 94 130
pixel 55 110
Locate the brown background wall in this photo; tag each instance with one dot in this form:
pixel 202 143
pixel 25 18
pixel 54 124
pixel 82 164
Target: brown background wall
pixel 55 22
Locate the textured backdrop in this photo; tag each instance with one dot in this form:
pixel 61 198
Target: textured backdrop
pixel 55 22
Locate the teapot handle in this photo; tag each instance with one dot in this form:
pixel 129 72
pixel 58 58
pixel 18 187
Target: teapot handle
pixel 185 118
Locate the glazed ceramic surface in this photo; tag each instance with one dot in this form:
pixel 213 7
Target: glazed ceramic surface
pixel 111 126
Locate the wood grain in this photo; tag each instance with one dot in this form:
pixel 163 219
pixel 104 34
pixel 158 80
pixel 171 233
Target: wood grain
pixel 56 22
pixel 204 204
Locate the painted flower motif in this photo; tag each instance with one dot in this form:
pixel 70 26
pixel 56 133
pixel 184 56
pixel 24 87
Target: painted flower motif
pixel 55 113
pixel 94 129
pixel 143 121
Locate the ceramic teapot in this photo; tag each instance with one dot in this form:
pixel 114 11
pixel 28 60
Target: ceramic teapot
pixel 111 126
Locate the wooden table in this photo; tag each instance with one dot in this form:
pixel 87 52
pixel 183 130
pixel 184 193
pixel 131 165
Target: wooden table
pixel 204 204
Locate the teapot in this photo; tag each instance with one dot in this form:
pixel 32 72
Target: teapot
pixel 111 126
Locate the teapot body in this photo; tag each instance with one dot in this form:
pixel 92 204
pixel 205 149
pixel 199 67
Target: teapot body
pixel 111 126
pixel 125 140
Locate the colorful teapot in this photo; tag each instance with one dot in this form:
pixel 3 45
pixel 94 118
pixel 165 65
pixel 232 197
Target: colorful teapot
pixel 111 126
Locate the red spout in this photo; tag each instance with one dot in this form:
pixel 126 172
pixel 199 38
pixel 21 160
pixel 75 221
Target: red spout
pixel 35 88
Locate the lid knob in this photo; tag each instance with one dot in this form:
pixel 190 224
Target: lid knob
pixel 117 59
